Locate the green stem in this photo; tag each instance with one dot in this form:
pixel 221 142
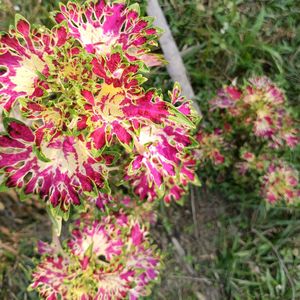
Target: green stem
pixel 55 240
pixel 56 222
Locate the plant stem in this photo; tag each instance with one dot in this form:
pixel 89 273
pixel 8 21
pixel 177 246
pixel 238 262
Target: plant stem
pixel 55 239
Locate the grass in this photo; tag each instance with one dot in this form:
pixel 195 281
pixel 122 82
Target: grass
pixel 22 225
pixel 224 40
pixel 216 249
pixel 261 260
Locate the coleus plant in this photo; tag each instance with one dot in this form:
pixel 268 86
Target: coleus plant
pixel 79 130
pixel 245 137
pixel 107 259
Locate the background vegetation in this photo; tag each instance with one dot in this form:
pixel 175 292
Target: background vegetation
pixel 216 248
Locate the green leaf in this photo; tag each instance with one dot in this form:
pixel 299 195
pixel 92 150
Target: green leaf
pixel 19 17
pixel 3 187
pixel 135 7
pixel 259 22
pixel 270 281
pixel 6 121
pixel 40 154
pixel 275 56
pixel 180 118
pixel 89 251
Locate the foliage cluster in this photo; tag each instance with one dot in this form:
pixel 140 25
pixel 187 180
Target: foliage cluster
pixel 79 131
pixel 243 142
